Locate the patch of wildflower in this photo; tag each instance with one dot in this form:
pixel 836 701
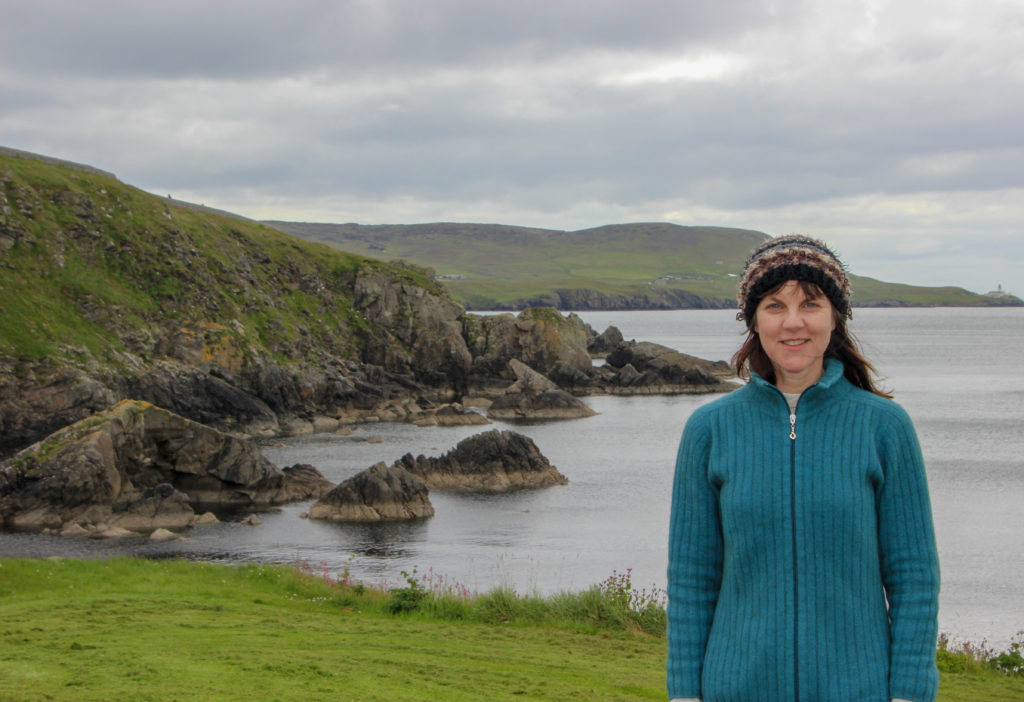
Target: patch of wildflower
pixel 438 584
pixel 618 587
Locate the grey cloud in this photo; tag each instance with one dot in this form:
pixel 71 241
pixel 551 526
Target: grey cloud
pixel 247 38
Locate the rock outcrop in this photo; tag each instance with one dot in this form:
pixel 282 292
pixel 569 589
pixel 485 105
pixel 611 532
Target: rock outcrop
pixel 541 338
pixel 141 467
pixel 493 461
pixel 645 368
pixel 379 493
pixel 534 397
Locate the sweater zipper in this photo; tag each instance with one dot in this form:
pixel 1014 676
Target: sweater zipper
pixel 796 579
pixel 796 574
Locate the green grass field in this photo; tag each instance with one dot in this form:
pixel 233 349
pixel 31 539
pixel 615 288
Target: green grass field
pixel 170 630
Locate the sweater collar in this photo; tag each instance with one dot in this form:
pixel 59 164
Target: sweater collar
pixel 829 378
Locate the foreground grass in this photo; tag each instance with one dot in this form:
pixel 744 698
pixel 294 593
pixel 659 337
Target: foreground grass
pixel 169 630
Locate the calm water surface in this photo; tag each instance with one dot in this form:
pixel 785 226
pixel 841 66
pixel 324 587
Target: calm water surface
pixel 958 372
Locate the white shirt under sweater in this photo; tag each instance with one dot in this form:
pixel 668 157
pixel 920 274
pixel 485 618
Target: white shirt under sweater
pixel 791 400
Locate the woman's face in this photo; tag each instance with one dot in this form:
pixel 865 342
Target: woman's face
pixel 795 330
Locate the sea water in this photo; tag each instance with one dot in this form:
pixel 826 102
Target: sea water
pixel 959 373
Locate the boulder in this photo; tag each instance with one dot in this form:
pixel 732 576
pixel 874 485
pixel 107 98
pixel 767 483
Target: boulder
pixel 450 416
pixel 34 404
pixel 158 507
pixel 493 461
pixel 534 397
pixel 140 466
pixel 163 535
pixel 379 493
pixel 605 342
pixel 539 337
pixel 646 368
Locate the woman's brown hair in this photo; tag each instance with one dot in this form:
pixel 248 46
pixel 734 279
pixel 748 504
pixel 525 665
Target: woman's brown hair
pixel 842 346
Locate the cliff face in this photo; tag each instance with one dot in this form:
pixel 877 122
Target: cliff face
pixel 108 293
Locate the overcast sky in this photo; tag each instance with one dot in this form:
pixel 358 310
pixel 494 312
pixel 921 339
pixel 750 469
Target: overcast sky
pixel 892 129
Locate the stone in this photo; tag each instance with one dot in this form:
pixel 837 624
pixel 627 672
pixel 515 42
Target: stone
pixel 298 427
pixel 157 507
pixel 162 535
pixel 251 520
pixel 535 397
pixel 377 494
pixel 206 518
pixel 450 416
pixel 141 467
pixel 605 342
pixel 74 529
pixel 493 461
pixel 539 337
pixel 325 425
pixel 112 532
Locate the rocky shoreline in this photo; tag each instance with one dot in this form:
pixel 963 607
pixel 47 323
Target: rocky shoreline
pixel 145 345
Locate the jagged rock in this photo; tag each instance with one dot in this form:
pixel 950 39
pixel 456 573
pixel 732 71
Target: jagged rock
pixel 533 396
pixel 206 518
pixel 646 368
pixel 605 342
pixel 139 465
pixel 157 507
pixel 539 337
pixel 451 416
pixel 493 461
pixel 379 493
pixel 201 396
pixel 74 529
pixel 304 482
pixel 425 323
pixel 251 520
pixel 35 404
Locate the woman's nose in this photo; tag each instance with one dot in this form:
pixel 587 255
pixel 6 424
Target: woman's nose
pixel 793 319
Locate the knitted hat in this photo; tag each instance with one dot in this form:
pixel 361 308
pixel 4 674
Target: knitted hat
pixel 792 258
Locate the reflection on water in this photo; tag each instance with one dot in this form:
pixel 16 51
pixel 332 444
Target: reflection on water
pixel 959 373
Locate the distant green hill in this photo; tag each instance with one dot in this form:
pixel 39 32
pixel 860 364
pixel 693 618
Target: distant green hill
pixel 623 266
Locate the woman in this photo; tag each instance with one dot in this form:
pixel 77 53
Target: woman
pixel 802 561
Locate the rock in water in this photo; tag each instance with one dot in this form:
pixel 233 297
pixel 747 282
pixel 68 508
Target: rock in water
pixel 140 467
pixel 493 461
pixel 534 396
pixel 379 493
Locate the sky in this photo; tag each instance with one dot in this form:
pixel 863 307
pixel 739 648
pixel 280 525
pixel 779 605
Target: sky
pixel 891 129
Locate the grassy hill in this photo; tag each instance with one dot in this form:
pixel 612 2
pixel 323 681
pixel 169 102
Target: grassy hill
pixel 650 265
pixel 92 269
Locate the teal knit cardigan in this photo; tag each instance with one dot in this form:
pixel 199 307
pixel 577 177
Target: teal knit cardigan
pixel 802 559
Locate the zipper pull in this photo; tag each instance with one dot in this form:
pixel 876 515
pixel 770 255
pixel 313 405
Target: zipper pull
pixel 792 426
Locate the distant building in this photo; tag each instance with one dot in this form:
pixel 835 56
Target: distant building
pixel 998 292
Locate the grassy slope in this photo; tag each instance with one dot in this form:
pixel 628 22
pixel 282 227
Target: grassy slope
pixel 95 260
pixel 144 630
pixel 503 263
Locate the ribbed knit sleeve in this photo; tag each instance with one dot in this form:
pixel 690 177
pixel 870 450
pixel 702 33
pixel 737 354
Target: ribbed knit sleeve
pixel 694 562
pixel 909 563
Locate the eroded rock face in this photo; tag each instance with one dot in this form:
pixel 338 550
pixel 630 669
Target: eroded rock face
pixel 426 324
pixel 379 493
pixel 138 465
pixel 540 337
pixel 647 368
pixel 32 407
pixel 534 396
pixel 493 461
